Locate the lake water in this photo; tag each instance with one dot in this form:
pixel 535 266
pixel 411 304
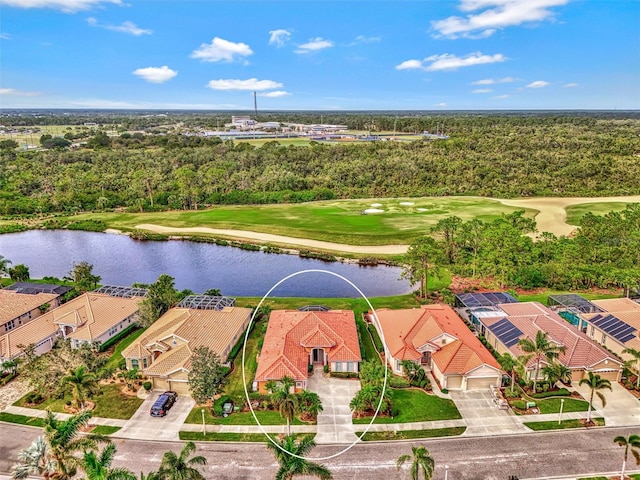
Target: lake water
pixel 119 260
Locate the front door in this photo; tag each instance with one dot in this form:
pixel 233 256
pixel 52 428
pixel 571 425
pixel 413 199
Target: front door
pixel 318 355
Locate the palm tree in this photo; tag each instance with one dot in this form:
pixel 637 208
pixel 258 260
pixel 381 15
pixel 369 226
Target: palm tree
pixel 557 372
pixel 82 383
pixel 636 361
pixel 150 476
pixel 35 460
pixel 514 366
pixel 540 348
pixel 294 466
pixel 64 440
pixel 97 467
pixel 630 443
pixel 595 383
pixel 286 401
pixel 310 403
pixel 181 467
pixel 421 461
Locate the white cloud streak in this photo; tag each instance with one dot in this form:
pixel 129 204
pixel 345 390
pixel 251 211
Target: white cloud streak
pixel 126 27
pixel 362 40
pixel 491 81
pixel 156 74
pixel 570 85
pixel 410 65
pixel 249 84
pixel 220 49
pixel 448 61
pixel 538 84
pixel 276 94
pixel 67 6
pixel 314 45
pixel 12 92
pixel 278 38
pixel 485 17
pixel 482 90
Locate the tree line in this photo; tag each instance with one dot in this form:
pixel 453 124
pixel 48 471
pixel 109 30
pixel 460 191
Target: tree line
pixel 604 252
pixel 498 156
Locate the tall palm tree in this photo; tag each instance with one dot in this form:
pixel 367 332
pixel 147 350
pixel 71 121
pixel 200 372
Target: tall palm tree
pixel 285 400
pixel 81 383
pixel 541 348
pixel 291 466
pixel 595 383
pixel 64 441
pixel 636 361
pixel 181 467
pixel 310 403
pixel 515 366
pixel 555 372
pixel 97 467
pixel 630 443
pixel 35 460
pixel 421 461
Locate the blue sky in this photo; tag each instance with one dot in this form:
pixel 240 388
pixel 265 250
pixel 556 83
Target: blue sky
pixel 301 55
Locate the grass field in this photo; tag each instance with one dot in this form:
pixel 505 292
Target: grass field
pixel 285 142
pixel 21 419
pixel 412 434
pixel 268 417
pixel 416 406
pixel 543 295
pixel 339 220
pixel 554 425
pixel 576 212
pixel 234 437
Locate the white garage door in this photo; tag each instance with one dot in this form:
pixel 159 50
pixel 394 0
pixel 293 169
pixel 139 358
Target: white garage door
pixel 481 383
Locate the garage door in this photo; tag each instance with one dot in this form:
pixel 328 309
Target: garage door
pixel 611 375
pixel 481 383
pixel 182 388
pixel 454 382
pixel 160 384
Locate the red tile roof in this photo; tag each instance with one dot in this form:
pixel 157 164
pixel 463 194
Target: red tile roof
pixel 291 334
pixel 406 330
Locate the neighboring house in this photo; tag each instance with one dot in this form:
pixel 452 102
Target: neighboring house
pixel 473 306
pixel 41 332
pixel 296 339
pixel 615 325
pixel 163 352
pixel 17 309
pixel 522 320
pixel 436 338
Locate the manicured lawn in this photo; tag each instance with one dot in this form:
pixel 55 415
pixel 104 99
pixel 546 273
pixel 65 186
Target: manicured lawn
pixel 241 418
pixel 233 437
pixel 235 386
pixel 576 212
pixel 544 295
pixel 367 349
pixel 105 430
pixel 411 434
pixel 417 406
pixel 554 425
pixel 116 356
pixel 552 405
pixel 325 220
pixel 21 419
pixel 110 403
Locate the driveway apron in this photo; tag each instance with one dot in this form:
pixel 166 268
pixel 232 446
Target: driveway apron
pixel 483 417
pixel 143 426
pixel 335 424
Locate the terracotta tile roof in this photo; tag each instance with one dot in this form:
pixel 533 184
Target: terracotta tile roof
pixel 290 331
pixel 33 332
pixel 580 350
pixel 407 330
pixel 216 329
pixel 95 313
pixel 14 304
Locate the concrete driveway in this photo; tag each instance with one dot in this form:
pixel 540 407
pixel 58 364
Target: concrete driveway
pixel 622 409
pixel 143 426
pixel 482 416
pixel 335 423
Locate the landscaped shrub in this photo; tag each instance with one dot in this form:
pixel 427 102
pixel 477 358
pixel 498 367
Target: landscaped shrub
pixel 508 393
pixel 344 374
pixel 519 404
pixel 326 369
pixel 444 390
pixel 393 411
pixel 376 338
pixel 563 392
pixel 310 368
pixel 34 398
pixel 147 386
pixel 395 381
pixel 217 405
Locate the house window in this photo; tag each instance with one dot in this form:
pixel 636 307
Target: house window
pixel 398 366
pixel 337 366
pixel 593 331
pixel 144 362
pixel 10 325
pixel 350 367
pixel 135 363
pixel 604 338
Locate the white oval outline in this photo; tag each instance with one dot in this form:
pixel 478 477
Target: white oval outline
pixel 244 379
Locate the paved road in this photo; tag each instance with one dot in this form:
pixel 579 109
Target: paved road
pixel 527 456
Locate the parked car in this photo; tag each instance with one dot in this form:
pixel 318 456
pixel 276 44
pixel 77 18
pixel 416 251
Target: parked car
pixel 163 403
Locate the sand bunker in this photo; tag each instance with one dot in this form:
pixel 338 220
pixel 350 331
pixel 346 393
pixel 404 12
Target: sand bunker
pixel 373 210
pixel 422 209
pixel 407 204
pixel 376 204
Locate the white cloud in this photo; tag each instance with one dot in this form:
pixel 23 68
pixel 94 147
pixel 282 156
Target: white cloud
pixel 276 94
pixel 409 65
pixel 482 90
pixel 126 27
pixel 314 45
pixel 500 97
pixel 538 84
pixel 279 37
pixel 449 61
pixel 570 85
pixel 361 40
pixel 5 36
pixel 220 49
pixel 12 92
pixel 249 84
pixel 442 104
pixel 156 74
pixel 485 17
pixel 68 6
pixel 491 81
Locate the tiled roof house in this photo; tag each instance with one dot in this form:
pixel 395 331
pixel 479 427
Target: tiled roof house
pixel 522 320
pixel 296 339
pixel 163 352
pixel 17 308
pixel 435 337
